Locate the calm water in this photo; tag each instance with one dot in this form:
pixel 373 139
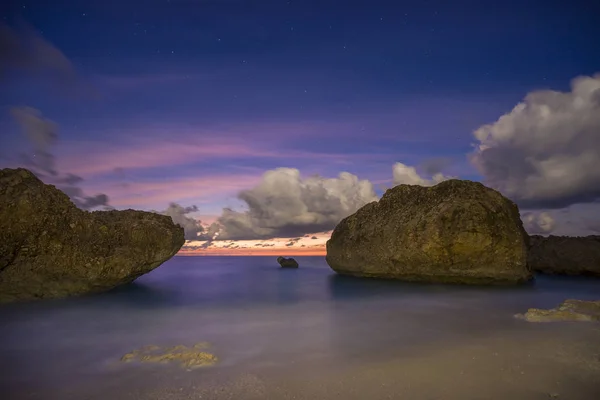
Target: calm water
pixel 255 315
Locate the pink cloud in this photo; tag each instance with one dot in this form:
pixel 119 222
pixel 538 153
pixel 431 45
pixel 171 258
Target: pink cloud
pixel 151 194
pixel 101 159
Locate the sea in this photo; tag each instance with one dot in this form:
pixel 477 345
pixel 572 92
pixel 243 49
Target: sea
pixel 257 318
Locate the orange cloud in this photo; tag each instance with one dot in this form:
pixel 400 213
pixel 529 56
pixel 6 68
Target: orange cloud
pixel 255 252
pixel 308 245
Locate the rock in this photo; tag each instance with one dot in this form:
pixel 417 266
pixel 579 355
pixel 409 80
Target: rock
pixel 569 310
pixel 187 357
pixel 287 262
pixel 565 255
pixel 454 232
pixel 49 248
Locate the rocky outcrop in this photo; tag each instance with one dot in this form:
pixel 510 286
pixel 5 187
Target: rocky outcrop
pixel 49 248
pixel 565 255
pixel 454 232
pixel 569 310
pixel 287 262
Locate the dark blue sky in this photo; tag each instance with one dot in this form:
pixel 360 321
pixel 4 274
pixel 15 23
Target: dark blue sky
pixel 207 91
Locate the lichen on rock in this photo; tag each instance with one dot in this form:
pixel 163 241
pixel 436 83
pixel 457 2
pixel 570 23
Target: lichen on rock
pixel 454 232
pixel 569 310
pixel 49 248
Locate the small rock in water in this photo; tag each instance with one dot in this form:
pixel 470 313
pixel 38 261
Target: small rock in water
pixel 569 310
pixel 187 357
pixel 287 262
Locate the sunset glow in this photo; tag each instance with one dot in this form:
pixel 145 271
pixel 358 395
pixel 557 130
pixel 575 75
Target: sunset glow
pixel 308 245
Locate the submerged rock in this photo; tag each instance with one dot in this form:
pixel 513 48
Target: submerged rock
pixel 565 255
pixel 454 232
pixel 287 262
pixel 569 310
pixel 49 248
pixel 187 357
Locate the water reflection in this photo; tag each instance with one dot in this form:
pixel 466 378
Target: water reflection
pixel 344 287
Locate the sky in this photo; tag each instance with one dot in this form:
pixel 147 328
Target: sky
pixel 259 124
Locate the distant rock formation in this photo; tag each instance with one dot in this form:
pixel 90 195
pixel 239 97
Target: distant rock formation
pixel 454 232
pixel 565 255
pixel 287 262
pixel 569 310
pixel 49 248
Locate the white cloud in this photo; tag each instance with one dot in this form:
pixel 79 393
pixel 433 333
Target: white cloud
pixel 545 153
pixel 179 214
pixel 536 223
pixel 284 204
pixel 404 174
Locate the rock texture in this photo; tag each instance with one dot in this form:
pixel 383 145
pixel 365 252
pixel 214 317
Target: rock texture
pixel 569 310
pixel 565 255
pixel 454 232
pixel 49 248
pixel 287 262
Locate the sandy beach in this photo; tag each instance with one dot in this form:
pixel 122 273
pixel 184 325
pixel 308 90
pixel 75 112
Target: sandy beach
pixel 559 362
pixel 546 361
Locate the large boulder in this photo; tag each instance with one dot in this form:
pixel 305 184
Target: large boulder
pixel 565 255
pixel 454 232
pixel 49 248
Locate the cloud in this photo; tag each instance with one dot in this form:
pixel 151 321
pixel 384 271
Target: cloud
pixel 27 55
pixel 210 234
pixel 283 204
pixel 179 214
pixel 538 222
pixel 594 226
pixel 27 51
pixel 156 193
pixel 545 153
pixel 404 174
pixel 435 165
pixel 42 133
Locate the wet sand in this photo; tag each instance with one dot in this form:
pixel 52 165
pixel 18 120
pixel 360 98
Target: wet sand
pixel 560 363
pixel 550 361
